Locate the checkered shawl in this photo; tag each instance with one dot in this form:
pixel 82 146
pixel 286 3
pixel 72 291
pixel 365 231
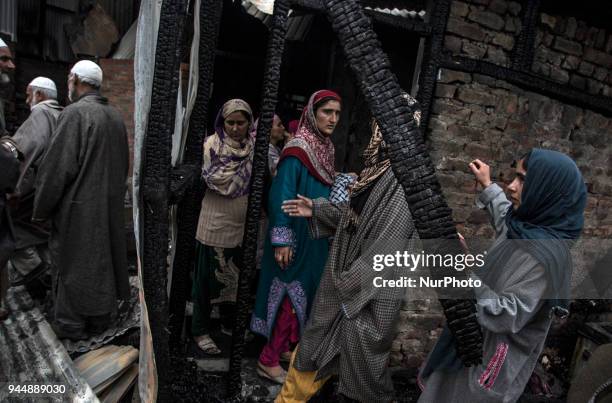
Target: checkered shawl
pixel 351 325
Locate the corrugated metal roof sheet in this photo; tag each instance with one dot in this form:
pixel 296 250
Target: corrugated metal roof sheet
pixel 57 46
pixel 400 12
pixel 31 353
pixel 8 18
pixel 69 5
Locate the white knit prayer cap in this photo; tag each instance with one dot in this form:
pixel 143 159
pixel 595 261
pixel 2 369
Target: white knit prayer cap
pixel 3 44
pixel 43 82
pixel 88 72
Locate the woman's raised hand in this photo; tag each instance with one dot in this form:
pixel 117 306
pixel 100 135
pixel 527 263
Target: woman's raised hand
pixel 300 207
pixel 481 172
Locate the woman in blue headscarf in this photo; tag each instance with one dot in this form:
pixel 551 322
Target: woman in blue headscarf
pixel 525 279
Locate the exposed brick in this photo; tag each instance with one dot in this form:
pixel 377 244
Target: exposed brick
pixel 566 46
pixel 548 20
pixel 452 43
pixel 600 73
pixel 459 9
pixel 577 81
pixel 600 40
pixel 487 19
pixel 451 110
pixel 504 40
pixel 465 29
pixel 474 50
pixel 512 24
pixel 445 90
pixel 571 27
pixel 586 68
pixel 496 55
pixel 498 6
pixel 594 86
pixel 514 7
pixel 598 57
pixel 451 76
pixel 475 96
pixel 571 63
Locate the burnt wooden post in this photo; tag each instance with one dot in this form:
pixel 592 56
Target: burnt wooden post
pixel 189 205
pixel 276 45
pixel 155 183
pixel 410 159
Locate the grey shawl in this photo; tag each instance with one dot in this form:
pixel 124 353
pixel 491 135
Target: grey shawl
pixel 81 187
pixel 32 139
pixel 515 323
pixel 351 325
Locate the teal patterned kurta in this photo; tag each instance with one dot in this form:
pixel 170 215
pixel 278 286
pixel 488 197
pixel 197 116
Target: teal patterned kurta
pixel 301 279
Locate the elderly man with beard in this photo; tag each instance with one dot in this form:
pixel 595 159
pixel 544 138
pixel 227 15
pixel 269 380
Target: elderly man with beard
pixel 80 187
pixel 6 66
pixel 30 260
pixel 10 170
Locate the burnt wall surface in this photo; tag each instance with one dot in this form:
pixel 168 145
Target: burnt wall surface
pixel 570 51
pixel 483 29
pixel 476 116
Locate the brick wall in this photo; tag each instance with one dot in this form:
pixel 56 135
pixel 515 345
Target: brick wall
pixel 570 51
pixel 118 87
pixel 483 29
pixel 475 116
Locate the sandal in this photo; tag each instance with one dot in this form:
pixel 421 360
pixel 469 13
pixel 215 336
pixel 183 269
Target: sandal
pixel 263 372
pixel 207 344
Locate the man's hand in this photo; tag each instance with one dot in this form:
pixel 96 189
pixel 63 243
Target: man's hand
pixel 482 172
pixel 283 256
pixel 300 207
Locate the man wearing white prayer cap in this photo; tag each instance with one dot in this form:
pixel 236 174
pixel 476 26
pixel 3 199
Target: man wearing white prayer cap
pixel 80 187
pixel 85 76
pixel 30 262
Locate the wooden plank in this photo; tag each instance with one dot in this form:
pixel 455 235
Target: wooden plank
pixel 118 389
pixel 104 367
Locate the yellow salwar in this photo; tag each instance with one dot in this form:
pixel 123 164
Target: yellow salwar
pixel 299 386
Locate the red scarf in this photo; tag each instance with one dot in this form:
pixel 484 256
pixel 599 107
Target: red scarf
pixel 310 146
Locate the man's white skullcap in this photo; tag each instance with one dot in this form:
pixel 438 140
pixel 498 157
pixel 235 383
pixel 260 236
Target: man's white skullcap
pixel 88 69
pixel 43 82
pixel 3 44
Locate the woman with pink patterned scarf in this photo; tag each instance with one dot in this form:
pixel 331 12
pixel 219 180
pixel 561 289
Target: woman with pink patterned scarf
pixel 293 262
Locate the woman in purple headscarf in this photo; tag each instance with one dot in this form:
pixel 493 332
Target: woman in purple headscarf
pixel 227 165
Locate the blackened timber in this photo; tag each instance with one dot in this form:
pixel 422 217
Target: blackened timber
pixel 276 44
pixel 155 184
pixel 410 159
pixel 312 5
pixel 416 26
pixel 189 206
pixel 432 54
pixel 531 82
pixel 522 54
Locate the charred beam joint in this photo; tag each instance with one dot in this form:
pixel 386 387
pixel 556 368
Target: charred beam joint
pixel 182 178
pixel 530 82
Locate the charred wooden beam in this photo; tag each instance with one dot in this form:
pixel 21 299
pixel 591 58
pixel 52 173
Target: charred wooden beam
pixel 155 183
pixel 434 46
pixel 409 156
pixel 531 82
pixel 522 54
pixel 189 206
pixel 247 261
